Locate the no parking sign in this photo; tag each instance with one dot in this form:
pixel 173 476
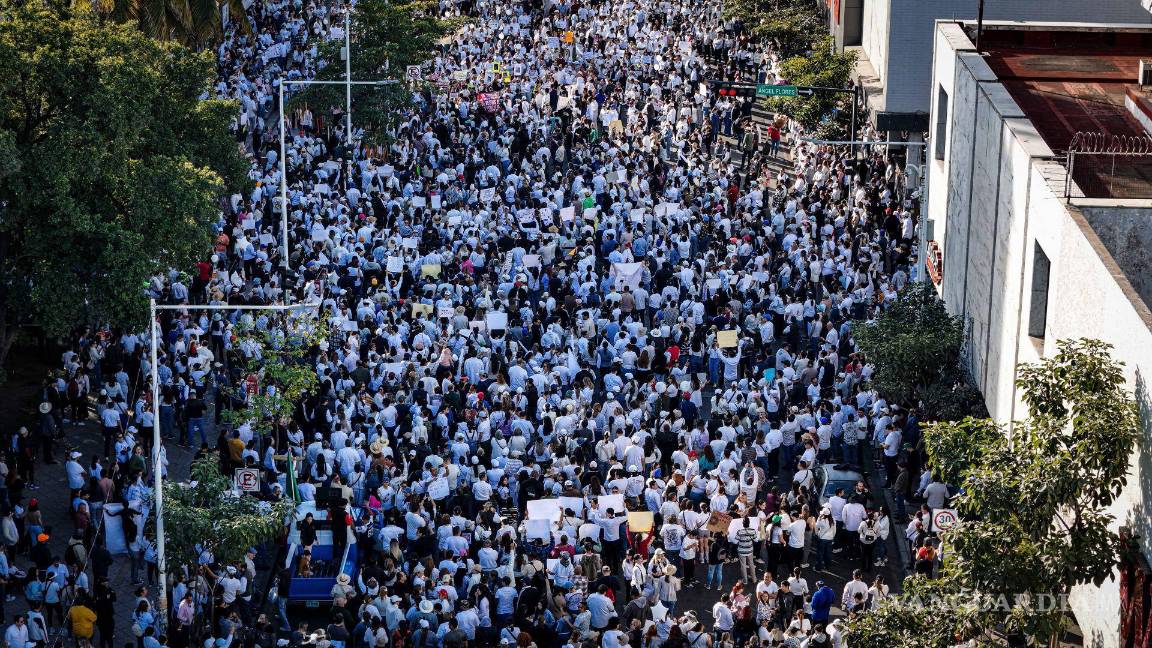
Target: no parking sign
pixel 248 479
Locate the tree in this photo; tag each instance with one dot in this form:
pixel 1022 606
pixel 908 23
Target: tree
pixel 791 25
pixel 820 66
pixel 208 513
pixel 195 23
pixel 279 367
pixel 112 167
pixel 386 37
pixel 1034 502
pixel 914 343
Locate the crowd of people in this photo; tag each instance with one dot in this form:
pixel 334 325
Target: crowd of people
pixel 588 351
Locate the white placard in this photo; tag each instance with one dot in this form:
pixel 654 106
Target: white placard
pixel 487 195
pixel 395 264
pixel 537 529
pixel 568 214
pixel 614 502
pixel 574 503
pixel 531 260
pixel 419 201
pixel 445 312
pixel 589 530
pixel 628 274
pixel 496 321
pixel 544 509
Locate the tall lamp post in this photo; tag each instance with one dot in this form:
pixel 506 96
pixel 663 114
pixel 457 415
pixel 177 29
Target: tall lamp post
pixel 157 476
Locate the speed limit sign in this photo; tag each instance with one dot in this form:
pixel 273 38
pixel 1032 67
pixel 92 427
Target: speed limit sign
pixel 944 519
pixel 248 479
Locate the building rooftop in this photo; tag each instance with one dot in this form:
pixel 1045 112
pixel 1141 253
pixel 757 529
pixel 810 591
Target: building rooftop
pixel 1070 80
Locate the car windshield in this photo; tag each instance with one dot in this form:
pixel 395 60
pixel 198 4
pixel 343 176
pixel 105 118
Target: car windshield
pixel 846 484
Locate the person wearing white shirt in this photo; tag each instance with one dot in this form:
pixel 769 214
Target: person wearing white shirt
pixel 722 615
pixel 852 588
pixel 16 636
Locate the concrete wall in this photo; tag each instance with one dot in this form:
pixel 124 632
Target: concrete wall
pixel 874 35
pixel 1127 234
pixel 904 29
pixel 997 194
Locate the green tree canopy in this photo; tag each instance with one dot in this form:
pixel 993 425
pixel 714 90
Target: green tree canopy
pixel 195 23
pixel 1034 503
pixel 208 512
pixel 386 37
pixel 790 25
pixel 281 367
pixel 820 66
pixel 112 168
pixel 915 346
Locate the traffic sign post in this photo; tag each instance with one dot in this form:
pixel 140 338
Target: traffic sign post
pixel 944 519
pixel 248 479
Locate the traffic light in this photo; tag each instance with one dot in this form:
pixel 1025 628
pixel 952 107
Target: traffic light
pixel 734 90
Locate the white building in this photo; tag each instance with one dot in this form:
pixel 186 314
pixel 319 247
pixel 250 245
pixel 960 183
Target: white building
pixel 1024 256
pixel 895 43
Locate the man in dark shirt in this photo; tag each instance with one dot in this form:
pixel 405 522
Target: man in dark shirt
pixel 455 637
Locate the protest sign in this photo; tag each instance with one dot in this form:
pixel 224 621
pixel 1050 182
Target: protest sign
pixel 726 339
pixel 641 522
pixel 718 522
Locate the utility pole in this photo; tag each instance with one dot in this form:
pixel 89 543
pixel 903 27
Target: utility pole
pixel 157 479
pixel 157 441
pixel 979 23
pixel 348 83
pixel 283 186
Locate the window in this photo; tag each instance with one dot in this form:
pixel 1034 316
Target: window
pixel 1038 312
pixel 941 122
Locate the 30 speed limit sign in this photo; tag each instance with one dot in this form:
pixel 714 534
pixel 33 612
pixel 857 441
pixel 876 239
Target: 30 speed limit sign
pixel 248 479
pixel 944 519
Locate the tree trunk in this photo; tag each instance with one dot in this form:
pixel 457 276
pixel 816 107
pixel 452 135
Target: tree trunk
pixel 8 334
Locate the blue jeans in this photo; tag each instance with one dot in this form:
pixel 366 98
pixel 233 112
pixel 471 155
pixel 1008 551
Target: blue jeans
pixel 823 553
pixel 196 424
pixel 167 421
pixel 282 607
pixel 716 571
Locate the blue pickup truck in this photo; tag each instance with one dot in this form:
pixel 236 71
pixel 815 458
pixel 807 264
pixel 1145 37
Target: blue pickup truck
pixel 316 590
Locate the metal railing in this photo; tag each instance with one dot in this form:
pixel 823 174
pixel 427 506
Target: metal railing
pixel 1108 166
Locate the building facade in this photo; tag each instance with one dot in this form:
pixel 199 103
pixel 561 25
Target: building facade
pixel 1022 252
pixel 896 39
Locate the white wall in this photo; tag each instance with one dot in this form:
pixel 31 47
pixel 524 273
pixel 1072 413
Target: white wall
pixel 994 197
pixel 906 66
pixel 874 35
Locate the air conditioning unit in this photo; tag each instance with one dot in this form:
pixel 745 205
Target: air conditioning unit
pixel 1145 73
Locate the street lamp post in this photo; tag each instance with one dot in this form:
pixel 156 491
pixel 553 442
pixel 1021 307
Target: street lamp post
pixel 157 476
pixel 283 157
